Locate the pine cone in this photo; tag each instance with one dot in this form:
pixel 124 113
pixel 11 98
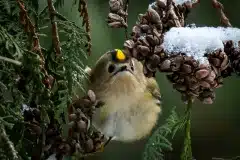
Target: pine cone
pixel 188 76
pixel 234 56
pixel 219 62
pixel 52 133
pixel 88 104
pixel 147 34
pixel 32 115
pixel 117 15
pixel 83 139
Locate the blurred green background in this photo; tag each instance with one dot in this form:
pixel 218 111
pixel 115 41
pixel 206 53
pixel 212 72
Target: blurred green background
pixel 216 127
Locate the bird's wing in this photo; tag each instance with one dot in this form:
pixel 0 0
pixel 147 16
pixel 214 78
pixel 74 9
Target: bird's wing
pixel 153 87
pixel 103 113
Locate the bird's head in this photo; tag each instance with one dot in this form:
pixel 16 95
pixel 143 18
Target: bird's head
pixel 115 71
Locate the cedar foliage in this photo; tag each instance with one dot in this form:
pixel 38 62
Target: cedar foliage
pixel 33 75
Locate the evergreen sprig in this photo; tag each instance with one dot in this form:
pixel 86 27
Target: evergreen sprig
pixel 7 145
pixel 158 142
pixel 33 77
pixel 187 149
pixel 74 53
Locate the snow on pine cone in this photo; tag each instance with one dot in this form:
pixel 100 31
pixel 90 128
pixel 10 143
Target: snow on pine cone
pixel 147 34
pixel 189 76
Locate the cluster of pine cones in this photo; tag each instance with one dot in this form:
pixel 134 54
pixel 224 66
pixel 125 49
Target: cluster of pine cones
pixel 191 78
pixel 82 137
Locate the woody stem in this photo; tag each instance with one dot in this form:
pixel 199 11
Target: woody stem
pixel 187 149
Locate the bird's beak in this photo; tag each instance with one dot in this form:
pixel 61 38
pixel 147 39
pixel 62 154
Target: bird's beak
pixel 123 68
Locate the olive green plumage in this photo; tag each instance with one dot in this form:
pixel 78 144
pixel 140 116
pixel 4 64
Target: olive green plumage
pixel 131 100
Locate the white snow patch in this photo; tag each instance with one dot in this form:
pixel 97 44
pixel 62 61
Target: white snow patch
pixel 180 2
pixel 25 108
pixel 198 41
pixel 177 2
pixel 151 5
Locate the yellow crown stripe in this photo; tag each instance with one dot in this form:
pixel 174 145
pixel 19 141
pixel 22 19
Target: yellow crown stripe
pixel 120 55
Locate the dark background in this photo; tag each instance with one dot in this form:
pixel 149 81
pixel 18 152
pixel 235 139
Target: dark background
pixel 215 128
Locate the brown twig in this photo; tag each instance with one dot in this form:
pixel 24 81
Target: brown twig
pixel 55 36
pixel 125 18
pixel 219 6
pixel 30 29
pixel 82 8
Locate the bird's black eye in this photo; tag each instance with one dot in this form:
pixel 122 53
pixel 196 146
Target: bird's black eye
pixel 111 68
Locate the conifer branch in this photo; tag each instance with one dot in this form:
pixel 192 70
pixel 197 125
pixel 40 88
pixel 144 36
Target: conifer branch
pixel 82 8
pixel 7 144
pixel 187 149
pixel 11 60
pixel 159 142
pixel 125 18
pixel 30 29
pixel 55 36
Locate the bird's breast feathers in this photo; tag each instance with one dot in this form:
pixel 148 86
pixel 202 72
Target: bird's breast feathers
pixel 127 117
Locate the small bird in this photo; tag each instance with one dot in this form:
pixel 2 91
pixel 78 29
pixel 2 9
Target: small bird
pixel 131 100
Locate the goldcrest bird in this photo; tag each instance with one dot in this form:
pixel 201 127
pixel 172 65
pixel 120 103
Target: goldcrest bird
pixel 131 100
